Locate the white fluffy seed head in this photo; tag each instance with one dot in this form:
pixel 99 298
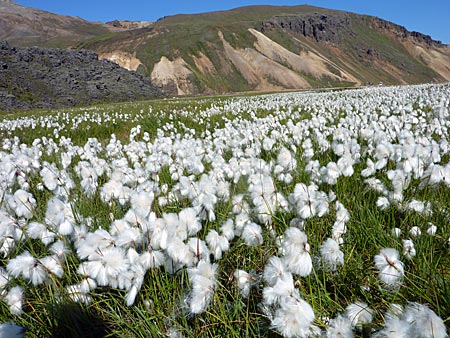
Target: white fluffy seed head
pixel 359 314
pixel 390 267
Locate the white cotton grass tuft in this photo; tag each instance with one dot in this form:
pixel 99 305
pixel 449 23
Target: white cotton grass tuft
pixel 297 223
pixel 245 281
pixel 340 327
pixel 217 244
pixel 332 256
pixel 14 299
pixel 77 295
pixel 203 284
pixel 52 265
pixel 282 287
pixel 295 249
pixel 432 229
pixel 339 227
pixel 390 267
pixel 273 270
pixel 383 203
pixel 424 321
pixel 180 252
pixel 60 250
pixel 395 328
pixel 330 173
pixel 409 250
pixel 227 229
pixel 417 206
pixel 91 243
pixel 252 234
pixel 416 320
pixel 239 204
pixel 308 201
pixel 4 280
pixel 395 311
pixel 359 314
pixel 396 232
pixel 294 318
pixel 141 202
pixel 188 218
pixel 198 249
pixel 59 216
pixel 415 231
pixel 28 267
pixel 105 266
pixel 22 203
pixel 40 231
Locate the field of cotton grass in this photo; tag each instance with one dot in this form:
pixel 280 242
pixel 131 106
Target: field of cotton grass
pixel 294 215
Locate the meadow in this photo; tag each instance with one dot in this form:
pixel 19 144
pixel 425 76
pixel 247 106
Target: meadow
pixel 296 215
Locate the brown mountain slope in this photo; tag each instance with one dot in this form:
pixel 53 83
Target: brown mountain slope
pixel 273 48
pixel 24 26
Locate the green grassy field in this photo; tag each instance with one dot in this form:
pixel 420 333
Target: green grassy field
pixel 228 149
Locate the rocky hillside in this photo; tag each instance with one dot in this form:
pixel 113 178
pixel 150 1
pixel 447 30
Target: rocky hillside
pixel 264 48
pixel 49 77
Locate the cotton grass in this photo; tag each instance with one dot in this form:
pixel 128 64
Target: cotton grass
pixel 234 216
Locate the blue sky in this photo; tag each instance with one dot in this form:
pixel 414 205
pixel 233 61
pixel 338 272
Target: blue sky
pixel 429 17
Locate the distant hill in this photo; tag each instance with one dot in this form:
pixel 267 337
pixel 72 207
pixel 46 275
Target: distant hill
pixel 261 48
pixel 24 26
pixel 33 77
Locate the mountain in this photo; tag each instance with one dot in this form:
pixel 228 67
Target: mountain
pixel 274 48
pixel 35 77
pixel 264 48
pixel 24 26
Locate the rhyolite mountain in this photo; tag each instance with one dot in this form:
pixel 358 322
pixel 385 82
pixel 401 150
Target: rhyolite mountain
pixel 263 48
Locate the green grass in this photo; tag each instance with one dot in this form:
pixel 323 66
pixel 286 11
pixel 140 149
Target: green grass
pixel 160 306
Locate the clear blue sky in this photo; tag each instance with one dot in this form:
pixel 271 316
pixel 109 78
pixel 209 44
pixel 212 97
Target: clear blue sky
pixel 426 16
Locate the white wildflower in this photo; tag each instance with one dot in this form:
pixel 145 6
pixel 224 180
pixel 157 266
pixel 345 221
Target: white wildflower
pixel 408 249
pixel 203 283
pixel 359 314
pixel 294 318
pixel 332 256
pixel 390 267
pixel 340 327
pixel 252 234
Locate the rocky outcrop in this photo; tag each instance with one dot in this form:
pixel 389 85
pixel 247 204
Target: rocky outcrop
pixel 49 77
pixel 402 33
pixel 123 59
pixel 173 77
pixel 130 25
pixel 319 26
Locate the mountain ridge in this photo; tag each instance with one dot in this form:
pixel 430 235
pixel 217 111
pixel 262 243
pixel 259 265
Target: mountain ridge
pixel 267 48
pixel 25 26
